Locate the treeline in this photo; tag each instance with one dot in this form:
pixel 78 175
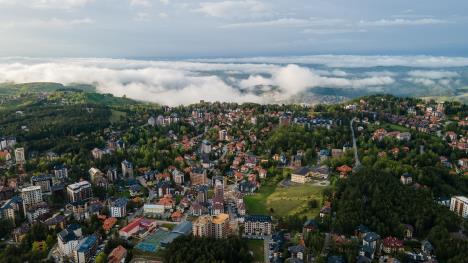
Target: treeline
pixel 193 249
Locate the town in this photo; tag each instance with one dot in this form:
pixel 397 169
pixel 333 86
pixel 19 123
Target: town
pixel 376 179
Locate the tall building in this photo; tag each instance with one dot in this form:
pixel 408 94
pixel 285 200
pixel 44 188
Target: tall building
pixel 79 191
pixel 118 208
pixel 459 205
pixel 86 249
pixel 206 147
pixel 19 156
pixel 211 226
pixel 257 225
pixel 68 239
pixel 31 196
pixel 127 168
pixel 223 135
pixel 198 177
pixel 44 181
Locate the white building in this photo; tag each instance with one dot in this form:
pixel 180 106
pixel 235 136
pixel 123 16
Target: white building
pixel 118 208
pixel 459 205
pixel 68 239
pixel 31 196
pixel 19 156
pixel 153 209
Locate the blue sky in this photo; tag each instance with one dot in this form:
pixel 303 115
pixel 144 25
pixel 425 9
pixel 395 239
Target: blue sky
pixel 185 29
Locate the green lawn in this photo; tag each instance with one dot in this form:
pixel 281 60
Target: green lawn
pixel 257 247
pixel 292 200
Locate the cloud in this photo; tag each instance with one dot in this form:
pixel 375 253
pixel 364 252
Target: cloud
pixel 182 82
pixel 433 74
pixel 47 23
pixel 351 61
pixel 234 8
pixel 290 22
pixel 403 22
pixel 48 4
pixel 143 3
pixel 142 17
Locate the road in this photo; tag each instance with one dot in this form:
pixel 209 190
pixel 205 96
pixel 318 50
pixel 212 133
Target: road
pixel 356 156
pixel 266 249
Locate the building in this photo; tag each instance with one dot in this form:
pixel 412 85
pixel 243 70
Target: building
pixel 211 226
pixel 10 208
pixel 178 176
pixel 127 169
pixel 139 226
pixel 198 176
pixel 31 196
pixel 86 249
pixel 257 225
pixel 406 178
pixel 19 156
pixel 301 175
pixel 80 191
pixel 154 209
pixel 44 181
pixel 68 239
pixel 118 208
pixel 222 135
pixel 459 205
pixel 117 255
pixel 206 147
pixel 60 171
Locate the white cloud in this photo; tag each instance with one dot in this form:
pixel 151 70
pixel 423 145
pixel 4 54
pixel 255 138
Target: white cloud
pixel 48 4
pixel 47 23
pixel 403 22
pixel 142 17
pixel 143 3
pixel 165 1
pixel 433 74
pixel 351 61
pixel 180 82
pixel 234 8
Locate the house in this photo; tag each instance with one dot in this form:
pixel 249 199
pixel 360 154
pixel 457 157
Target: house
pixel 310 226
pixel 247 186
pixel 426 247
pixel 370 245
pixel 392 245
pixel 153 209
pixel 406 178
pixel 408 232
pixel 127 168
pixel 177 216
pixel 117 255
pixel 344 171
pixel 109 223
pixel 297 252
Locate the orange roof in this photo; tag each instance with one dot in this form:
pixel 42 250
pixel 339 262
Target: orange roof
pixel 117 254
pixel 109 223
pixel 166 201
pixel 344 169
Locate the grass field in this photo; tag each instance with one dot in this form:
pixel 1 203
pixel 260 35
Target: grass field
pixel 257 247
pixel 116 115
pixel 290 200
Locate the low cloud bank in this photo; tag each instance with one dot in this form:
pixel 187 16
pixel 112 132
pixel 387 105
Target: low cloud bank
pixel 185 82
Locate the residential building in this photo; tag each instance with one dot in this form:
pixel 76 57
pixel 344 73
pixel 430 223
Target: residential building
pixel 60 171
pixel 44 181
pixel 459 205
pixel 118 208
pixel 68 239
pixel 10 208
pixel 20 156
pixel 31 196
pixel 80 191
pixel 257 225
pixel 117 255
pixel 153 209
pixel 127 169
pixel 206 147
pixel 198 176
pixel 301 175
pixel 211 226
pixel 222 135
pixel 86 249
pixel 406 178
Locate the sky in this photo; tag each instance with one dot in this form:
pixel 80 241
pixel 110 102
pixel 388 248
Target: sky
pixel 232 28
